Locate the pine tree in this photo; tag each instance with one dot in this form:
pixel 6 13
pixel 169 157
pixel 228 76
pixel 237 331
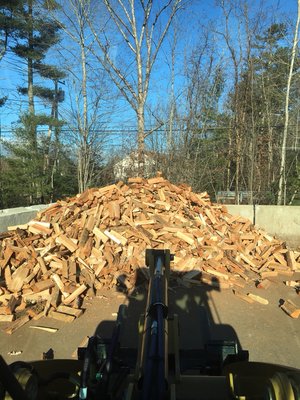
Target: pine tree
pixel 9 21
pixel 20 170
pixel 35 34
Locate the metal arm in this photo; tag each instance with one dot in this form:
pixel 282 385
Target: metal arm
pixel 154 354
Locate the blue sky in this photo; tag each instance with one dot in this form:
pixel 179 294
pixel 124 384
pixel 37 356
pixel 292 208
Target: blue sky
pixel 13 70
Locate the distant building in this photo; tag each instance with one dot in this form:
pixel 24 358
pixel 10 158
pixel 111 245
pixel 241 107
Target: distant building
pixel 128 166
pixel 228 197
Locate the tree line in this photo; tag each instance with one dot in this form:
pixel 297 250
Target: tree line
pixel 218 110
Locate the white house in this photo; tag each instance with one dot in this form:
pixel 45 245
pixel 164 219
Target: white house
pixel 128 166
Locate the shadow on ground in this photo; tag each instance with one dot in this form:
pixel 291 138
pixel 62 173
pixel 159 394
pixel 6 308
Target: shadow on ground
pixel 192 305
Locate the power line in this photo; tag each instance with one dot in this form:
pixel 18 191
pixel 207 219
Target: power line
pixel 6 129
pixel 203 130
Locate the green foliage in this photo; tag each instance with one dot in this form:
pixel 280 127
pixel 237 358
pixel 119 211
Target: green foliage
pixel 49 71
pixel 271 36
pixel 36 168
pixel 259 116
pixel 26 162
pixel 35 172
pixel 44 93
pixel 51 5
pixel 11 192
pixel 65 180
pixel 241 147
pixel 35 34
pixel 9 10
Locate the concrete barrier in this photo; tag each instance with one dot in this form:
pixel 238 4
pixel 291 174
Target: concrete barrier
pixel 280 221
pixel 18 216
pixel 242 210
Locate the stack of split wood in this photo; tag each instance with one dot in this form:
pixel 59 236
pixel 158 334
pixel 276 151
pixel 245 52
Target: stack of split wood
pixel 98 239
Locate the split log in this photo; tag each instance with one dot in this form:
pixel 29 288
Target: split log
pixel 98 238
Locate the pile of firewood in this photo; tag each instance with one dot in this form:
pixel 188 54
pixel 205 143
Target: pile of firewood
pixel 98 239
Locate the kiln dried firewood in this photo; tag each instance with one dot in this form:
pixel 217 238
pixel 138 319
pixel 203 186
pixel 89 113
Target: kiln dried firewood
pixel 12 304
pixel 264 284
pixel 67 242
pixel 95 237
pixel 7 318
pixel 258 299
pixel 44 328
pixel 70 311
pixel 56 279
pixel 55 297
pixel 76 293
pixel 36 297
pixel 291 309
pixel 293 284
pixel 17 278
pixel 60 316
pixel 243 296
pixel 16 324
pixel 8 252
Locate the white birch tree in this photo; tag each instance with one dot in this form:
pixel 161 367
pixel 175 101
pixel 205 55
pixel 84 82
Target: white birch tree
pixel 142 27
pixel 84 86
pixel 282 178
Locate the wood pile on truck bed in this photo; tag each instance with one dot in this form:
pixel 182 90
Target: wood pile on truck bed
pixel 98 239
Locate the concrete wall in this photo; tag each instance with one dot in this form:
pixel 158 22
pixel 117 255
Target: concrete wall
pixel 280 221
pixel 243 210
pixel 18 216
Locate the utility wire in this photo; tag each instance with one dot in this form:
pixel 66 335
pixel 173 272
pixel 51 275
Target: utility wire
pixel 203 130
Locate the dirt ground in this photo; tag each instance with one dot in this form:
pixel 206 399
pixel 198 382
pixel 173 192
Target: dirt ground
pixel 264 330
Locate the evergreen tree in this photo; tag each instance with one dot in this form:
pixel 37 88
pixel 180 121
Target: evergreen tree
pixel 9 22
pixel 20 169
pixel 35 34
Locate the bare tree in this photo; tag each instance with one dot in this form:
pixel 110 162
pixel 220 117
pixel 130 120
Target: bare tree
pixel 142 27
pixel 238 34
pixel 236 54
pixel 85 87
pixel 172 95
pixel 282 179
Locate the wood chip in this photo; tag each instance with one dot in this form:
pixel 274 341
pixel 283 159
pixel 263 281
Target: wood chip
pixel 44 328
pixel 258 299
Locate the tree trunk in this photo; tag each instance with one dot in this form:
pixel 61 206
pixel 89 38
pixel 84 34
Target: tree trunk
pixel 229 159
pixel 141 140
pixel 84 90
pixel 79 170
pixel 282 178
pixel 172 101
pixel 31 109
pixel 30 61
pixel 143 30
pixel 84 158
pixel 238 166
pixel 270 161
